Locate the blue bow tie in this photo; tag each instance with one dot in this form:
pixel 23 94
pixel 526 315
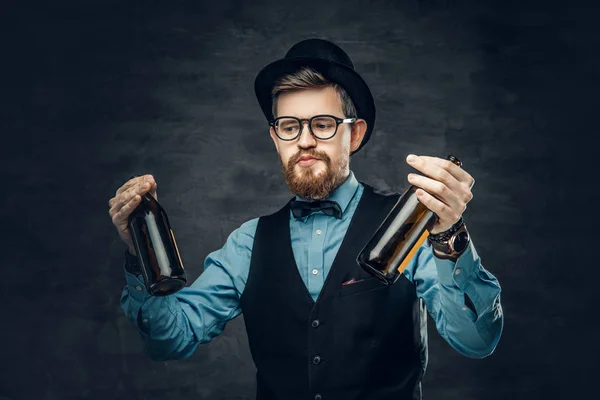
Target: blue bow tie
pixel 303 208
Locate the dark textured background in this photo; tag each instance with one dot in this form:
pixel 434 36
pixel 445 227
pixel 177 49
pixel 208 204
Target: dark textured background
pixel 95 91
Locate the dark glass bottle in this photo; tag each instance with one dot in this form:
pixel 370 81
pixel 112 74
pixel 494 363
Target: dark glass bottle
pixel 156 248
pixel 399 236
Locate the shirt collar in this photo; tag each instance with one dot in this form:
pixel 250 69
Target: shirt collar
pixel 343 193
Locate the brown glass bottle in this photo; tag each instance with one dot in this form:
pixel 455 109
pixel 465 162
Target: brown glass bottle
pixel 399 236
pixel 156 248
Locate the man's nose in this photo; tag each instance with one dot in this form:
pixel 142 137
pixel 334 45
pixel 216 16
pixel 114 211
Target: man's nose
pixel 306 138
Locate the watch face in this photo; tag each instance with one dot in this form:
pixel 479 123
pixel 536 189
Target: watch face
pixel 460 241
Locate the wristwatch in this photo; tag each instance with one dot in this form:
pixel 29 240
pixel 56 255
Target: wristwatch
pixel 451 243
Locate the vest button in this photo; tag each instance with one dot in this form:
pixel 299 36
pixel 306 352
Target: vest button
pixel 318 397
pixel 316 360
pixel 315 323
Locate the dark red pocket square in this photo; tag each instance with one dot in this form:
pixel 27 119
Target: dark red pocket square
pixel 351 281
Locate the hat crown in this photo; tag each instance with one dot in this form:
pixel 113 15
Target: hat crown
pixel 319 48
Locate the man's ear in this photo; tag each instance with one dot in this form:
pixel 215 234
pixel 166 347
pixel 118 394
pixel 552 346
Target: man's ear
pixel 359 128
pixel 274 137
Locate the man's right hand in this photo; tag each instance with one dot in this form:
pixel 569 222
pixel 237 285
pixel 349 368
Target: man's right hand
pixel 125 201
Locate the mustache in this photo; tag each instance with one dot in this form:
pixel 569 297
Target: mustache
pixel 313 153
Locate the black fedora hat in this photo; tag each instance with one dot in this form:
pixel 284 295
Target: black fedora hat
pixel 333 63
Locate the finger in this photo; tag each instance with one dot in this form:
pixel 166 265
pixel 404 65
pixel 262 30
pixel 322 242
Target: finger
pixel 457 172
pixel 133 181
pixel 445 213
pixel 437 189
pixel 434 171
pixel 128 184
pixel 153 190
pixel 127 191
pixel 123 213
pixel 118 203
pixel 140 189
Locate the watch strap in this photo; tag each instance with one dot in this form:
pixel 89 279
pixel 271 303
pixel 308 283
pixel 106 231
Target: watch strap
pixel 444 236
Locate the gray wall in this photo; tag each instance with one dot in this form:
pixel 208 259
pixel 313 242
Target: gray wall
pixel 97 91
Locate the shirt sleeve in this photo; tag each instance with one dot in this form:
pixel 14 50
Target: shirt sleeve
pixel 172 327
pixel 462 298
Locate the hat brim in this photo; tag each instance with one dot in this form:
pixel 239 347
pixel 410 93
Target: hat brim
pixel 350 80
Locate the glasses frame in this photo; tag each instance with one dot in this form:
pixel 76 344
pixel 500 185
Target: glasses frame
pixel 338 122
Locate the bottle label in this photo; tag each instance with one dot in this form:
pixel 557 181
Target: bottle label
pixel 413 250
pixel 176 249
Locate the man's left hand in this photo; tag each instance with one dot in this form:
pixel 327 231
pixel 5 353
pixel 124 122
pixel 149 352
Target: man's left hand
pixel 445 190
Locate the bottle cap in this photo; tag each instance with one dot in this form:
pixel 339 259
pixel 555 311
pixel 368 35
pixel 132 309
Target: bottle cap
pixel 454 160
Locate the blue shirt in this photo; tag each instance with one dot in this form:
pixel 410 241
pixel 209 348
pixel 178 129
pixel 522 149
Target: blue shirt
pixel 172 327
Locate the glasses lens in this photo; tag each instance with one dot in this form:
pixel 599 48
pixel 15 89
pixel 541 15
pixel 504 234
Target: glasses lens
pixel 323 127
pixel 287 128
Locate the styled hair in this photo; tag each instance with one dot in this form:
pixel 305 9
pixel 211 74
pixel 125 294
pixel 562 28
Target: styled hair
pixel 306 78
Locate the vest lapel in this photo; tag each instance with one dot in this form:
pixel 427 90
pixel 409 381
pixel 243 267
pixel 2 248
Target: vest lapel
pixel 344 265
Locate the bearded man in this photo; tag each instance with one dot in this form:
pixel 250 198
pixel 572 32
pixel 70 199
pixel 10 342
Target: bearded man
pixel 319 326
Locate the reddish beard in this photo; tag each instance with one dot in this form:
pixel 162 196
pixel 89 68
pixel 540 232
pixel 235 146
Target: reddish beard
pixel 306 184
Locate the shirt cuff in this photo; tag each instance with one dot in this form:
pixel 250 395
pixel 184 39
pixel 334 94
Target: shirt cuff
pixel 136 286
pixel 459 272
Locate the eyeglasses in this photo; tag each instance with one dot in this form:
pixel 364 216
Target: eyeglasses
pixel 320 126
